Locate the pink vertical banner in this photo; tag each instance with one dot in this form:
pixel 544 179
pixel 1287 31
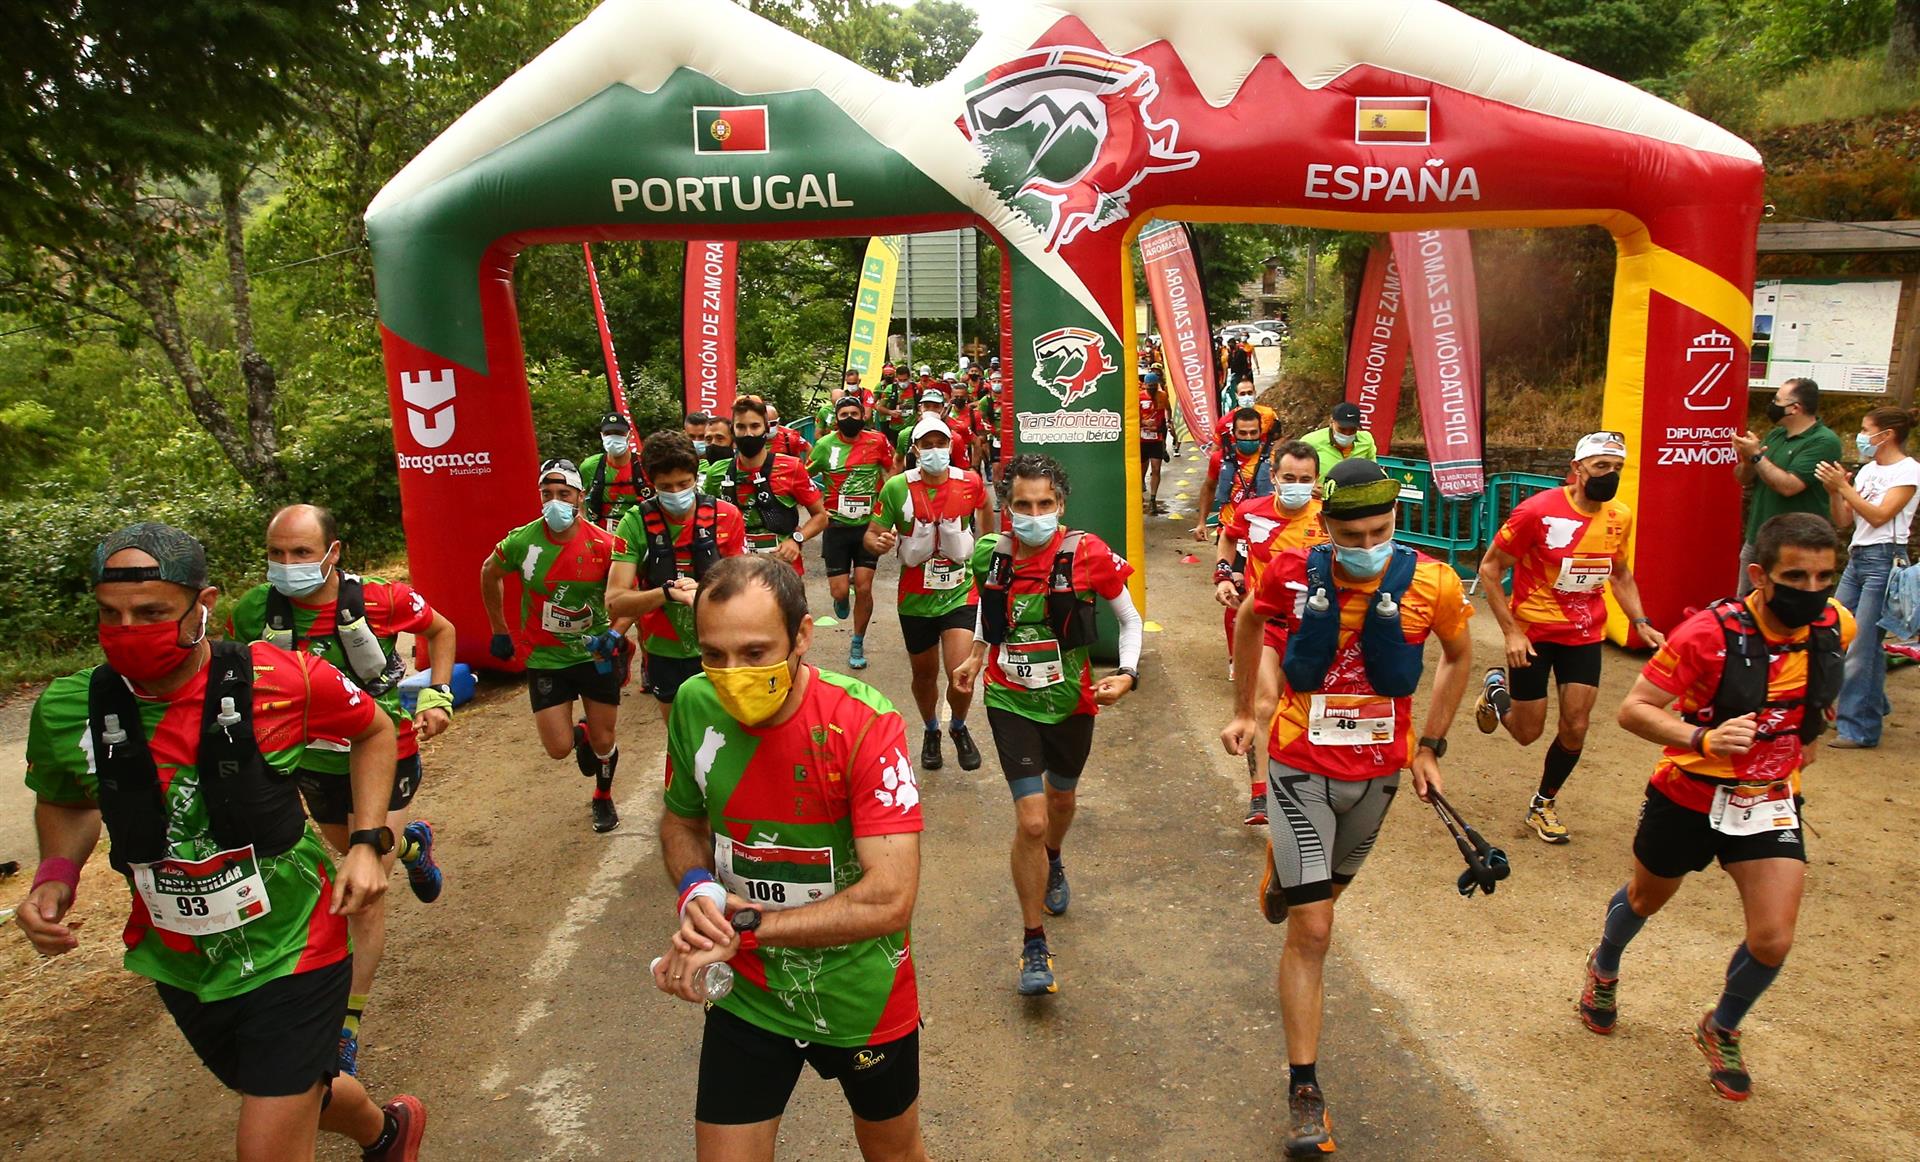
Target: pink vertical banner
pixel 1377 351
pixel 616 390
pixel 707 322
pixel 1180 309
pixel 1443 325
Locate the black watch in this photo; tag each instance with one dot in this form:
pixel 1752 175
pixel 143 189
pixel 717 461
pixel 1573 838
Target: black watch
pixel 380 837
pixel 1437 745
pixel 444 687
pixel 746 920
pixel 1130 672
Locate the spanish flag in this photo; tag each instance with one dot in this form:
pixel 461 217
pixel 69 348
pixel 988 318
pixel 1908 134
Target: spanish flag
pixel 1392 120
pixel 736 129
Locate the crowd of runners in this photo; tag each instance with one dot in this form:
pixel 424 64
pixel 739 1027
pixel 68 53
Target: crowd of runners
pixel 673 566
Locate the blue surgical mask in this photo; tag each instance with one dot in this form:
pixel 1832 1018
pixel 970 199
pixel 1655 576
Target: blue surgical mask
pixel 677 503
pixel 1364 564
pixel 699 447
pixel 559 515
pixel 615 445
pixel 1246 401
pixel 1035 531
pixel 299 579
pixel 1343 439
pixel 936 459
pixel 1246 447
pixel 1295 495
pixel 1864 443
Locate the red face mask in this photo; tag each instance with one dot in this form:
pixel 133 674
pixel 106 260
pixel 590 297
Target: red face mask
pixel 144 653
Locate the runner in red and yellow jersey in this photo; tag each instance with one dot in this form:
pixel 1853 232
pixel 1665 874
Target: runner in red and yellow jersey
pixel 1727 783
pixel 1156 423
pixel 1343 730
pixel 1252 534
pixel 1239 455
pixel 1565 547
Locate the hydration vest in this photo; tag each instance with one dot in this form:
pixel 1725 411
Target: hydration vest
pixel 366 659
pixel 1743 679
pixel 1069 615
pixel 774 516
pixel 597 491
pixel 703 547
pixel 247 801
pixel 1393 663
pixel 1232 489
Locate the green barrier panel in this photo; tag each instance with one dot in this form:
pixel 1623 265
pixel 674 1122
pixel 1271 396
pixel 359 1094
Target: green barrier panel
pixel 805 426
pixel 1450 528
pixel 1505 491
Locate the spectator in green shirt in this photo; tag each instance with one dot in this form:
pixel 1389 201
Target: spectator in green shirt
pixel 1342 439
pixel 1780 469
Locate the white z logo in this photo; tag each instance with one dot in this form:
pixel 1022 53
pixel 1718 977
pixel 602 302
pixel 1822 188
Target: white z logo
pixel 1706 395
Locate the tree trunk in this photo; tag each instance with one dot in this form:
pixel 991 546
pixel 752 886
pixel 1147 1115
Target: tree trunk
pixel 1313 270
pixel 1903 43
pixel 262 383
pixel 155 293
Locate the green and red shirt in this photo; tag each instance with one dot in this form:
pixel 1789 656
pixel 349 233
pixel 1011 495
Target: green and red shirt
pixel 850 472
pixel 622 488
pixel 563 589
pixel 668 631
pixel 791 486
pixel 298 701
pixel 941 513
pixel 786 804
pixel 391 608
pixel 1029 674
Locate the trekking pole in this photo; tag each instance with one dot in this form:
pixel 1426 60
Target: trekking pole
pixel 1487 865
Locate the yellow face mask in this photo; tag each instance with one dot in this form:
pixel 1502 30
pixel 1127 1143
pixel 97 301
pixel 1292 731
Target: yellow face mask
pixel 751 694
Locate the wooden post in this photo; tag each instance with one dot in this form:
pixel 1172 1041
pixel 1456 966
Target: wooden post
pixel 1903 371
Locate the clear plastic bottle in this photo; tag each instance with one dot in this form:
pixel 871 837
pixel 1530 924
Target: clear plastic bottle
pixel 715 978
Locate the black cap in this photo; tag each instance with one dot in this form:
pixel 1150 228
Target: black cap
pixel 614 423
pixel 1347 413
pixel 182 559
pixel 849 401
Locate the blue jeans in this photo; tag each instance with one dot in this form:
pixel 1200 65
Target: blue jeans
pixel 1863 695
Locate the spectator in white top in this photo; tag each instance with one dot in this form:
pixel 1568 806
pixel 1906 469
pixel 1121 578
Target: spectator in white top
pixel 1879 503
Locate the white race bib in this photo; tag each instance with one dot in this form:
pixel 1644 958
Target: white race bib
pixel 853 507
pixel 762 542
pixel 771 876
pixel 566 622
pixel 942 574
pixel 1748 809
pixel 1584 574
pixel 1035 665
pixel 204 897
pixel 1350 720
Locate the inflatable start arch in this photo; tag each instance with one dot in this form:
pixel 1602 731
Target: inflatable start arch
pixel 1064 130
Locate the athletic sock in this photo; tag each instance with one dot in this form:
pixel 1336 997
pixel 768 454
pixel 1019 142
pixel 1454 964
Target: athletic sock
pixel 1747 978
pixel 409 848
pixel 1302 1074
pixel 1555 769
pixel 389 1128
pixel 957 722
pixel 1622 925
pixel 1260 789
pixel 933 726
pixel 603 782
pixel 356 1006
pixel 1053 855
pixel 1039 933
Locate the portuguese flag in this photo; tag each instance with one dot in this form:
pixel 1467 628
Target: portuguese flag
pixel 737 129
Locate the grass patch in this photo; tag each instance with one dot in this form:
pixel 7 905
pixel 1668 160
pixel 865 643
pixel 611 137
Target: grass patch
pixel 32 666
pixel 1836 90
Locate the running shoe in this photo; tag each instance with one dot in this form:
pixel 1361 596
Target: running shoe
pixel 1036 969
pixel 409 1116
pixel 843 607
pixel 1256 811
pixel 1310 1131
pixel 1057 891
pixel 1545 821
pixel 1721 1047
pixel 1494 702
pixel 583 756
pixel 349 1060
pixel 1273 899
pixel 857 656
pixel 1599 1000
pixel 963 746
pixel 605 818
pixel 930 759
pixel 423 874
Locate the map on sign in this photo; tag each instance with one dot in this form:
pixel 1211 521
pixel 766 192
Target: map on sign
pixel 1837 333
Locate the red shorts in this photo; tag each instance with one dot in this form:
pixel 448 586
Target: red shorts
pixel 1276 634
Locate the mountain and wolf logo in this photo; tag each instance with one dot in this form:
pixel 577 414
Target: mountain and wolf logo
pixel 1066 134
pixel 1070 362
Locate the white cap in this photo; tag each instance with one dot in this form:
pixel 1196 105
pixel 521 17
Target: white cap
pixel 931 423
pixel 933 395
pixel 926 369
pixel 948 376
pixel 564 469
pixel 1600 444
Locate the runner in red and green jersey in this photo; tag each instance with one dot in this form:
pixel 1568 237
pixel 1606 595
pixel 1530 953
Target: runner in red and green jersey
pixel 240 920
pixel 852 462
pixel 778 501
pixel 577 652
pixel 792 788
pixel 931 515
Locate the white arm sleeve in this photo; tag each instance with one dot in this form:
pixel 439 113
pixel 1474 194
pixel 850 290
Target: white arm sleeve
pixel 979 626
pixel 1129 618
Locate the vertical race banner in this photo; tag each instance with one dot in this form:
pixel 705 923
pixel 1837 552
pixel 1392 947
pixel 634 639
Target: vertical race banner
pixel 1377 350
pixel 616 390
pixel 1443 323
pixel 713 276
pixel 1180 310
pixel 873 309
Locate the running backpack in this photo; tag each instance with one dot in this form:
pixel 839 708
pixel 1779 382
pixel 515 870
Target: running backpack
pixel 366 659
pixel 774 516
pixel 703 547
pixel 597 491
pixel 1070 616
pixel 1743 677
pixel 1393 663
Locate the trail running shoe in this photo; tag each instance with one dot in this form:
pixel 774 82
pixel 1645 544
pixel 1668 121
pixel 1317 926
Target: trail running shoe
pixel 583 756
pixel 1721 1048
pixel 963 746
pixel 857 655
pixel 1310 1131
pixel 1494 702
pixel 930 759
pixel 423 874
pixel 349 1060
pixel 409 1116
pixel 1036 969
pixel 1545 821
pixel 1599 1000
pixel 1273 900
pixel 1256 811
pixel 605 818
pixel 843 607
pixel 1057 891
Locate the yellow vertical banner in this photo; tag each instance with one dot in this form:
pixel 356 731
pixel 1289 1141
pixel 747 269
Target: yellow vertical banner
pixel 873 308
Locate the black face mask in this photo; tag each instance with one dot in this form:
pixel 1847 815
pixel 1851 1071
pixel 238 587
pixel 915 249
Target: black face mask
pixel 1797 608
pixel 1601 488
pixel 1775 411
pixel 850 427
pixel 718 452
pixel 749 446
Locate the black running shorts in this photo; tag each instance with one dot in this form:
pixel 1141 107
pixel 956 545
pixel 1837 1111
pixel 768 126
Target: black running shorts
pixel 747 1074
pixel 1673 840
pixel 923 633
pixel 666 675
pixel 277 1040
pixel 1030 750
pixel 1570 666
pixel 1152 450
pixel 330 796
pixel 582 680
pixel 843 548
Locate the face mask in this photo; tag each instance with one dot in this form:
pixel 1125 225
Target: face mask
pixel 1601 487
pixel 1364 563
pixel 717 452
pixel 850 427
pixel 1797 608
pixel 1343 439
pixel 144 653
pixel 1246 447
pixel 1776 411
pixel 1246 401
pixel 615 445
pixel 1864 443
pixel 700 447
pixel 559 515
pixel 749 446
pixel 936 459
pixel 751 694
pixel 1035 531
pixel 1295 495
pixel 677 503
pixel 297 580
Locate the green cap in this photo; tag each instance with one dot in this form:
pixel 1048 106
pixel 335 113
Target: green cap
pixel 1357 488
pixel 183 560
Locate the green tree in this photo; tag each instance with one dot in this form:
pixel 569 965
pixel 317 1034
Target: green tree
pixel 1629 39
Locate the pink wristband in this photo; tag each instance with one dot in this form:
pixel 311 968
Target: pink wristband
pixel 58 870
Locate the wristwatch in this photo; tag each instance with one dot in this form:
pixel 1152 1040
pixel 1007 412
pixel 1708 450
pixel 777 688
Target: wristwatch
pixel 443 687
pixel 746 924
pixel 1757 457
pixel 1437 745
pixel 380 837
pixel 1130 672
pixel 799 537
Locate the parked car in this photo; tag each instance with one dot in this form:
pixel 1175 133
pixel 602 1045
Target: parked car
pixel 1259 334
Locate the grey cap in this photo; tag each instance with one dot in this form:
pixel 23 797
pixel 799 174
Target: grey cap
pixel 183 560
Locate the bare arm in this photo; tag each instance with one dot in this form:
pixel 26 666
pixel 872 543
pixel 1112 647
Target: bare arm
pixel 1494 564
pixel 493 584
pixel 1626 590
pixel 626 601
pixel 370 770
pixel 878 904
pixel 1449 682
pixel 685 844
pixel 816 522
pixel 439 636
pixel 69 832
pixel 1846 496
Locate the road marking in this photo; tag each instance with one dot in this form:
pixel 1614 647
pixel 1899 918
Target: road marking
pixel 562 1108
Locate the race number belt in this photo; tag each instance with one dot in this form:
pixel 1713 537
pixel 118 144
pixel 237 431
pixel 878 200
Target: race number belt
pixel 853 507
pixel 1350 720
pixel 1584 574
pixel 941 574
pixel 771 875
pixel 203 897
pixel 1035 665
pixel 1753 809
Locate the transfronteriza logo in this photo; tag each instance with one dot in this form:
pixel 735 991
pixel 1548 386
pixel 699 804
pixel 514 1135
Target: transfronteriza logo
pixel 1070 362
pixel 1066 134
